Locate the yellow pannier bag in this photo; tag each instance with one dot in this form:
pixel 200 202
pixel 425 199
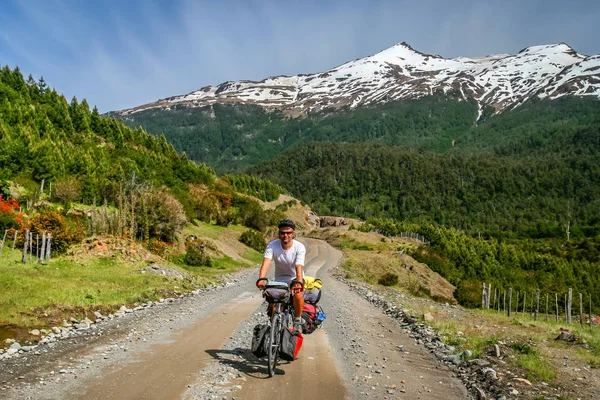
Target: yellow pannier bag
pixel 310 282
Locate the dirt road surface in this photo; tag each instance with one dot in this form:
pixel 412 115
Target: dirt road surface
pixel 197 348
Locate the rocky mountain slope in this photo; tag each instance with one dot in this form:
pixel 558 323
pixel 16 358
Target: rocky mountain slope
pixel 500 81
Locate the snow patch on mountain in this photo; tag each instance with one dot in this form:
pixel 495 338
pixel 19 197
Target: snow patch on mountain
pixel 500 81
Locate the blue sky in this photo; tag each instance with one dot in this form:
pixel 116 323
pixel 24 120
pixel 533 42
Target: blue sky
pixel 123 53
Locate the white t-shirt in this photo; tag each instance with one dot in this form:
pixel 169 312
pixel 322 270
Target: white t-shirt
pixel 285 260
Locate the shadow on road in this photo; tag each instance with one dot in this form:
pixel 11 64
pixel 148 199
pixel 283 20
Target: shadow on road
pixel 248 364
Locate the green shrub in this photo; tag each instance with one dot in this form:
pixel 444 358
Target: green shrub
pixel 388 279
pixel 468 293
pixel 524 348
pixel 254 240
pixel 197 254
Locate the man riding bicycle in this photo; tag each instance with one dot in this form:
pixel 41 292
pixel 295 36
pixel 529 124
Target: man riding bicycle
pixel 288 255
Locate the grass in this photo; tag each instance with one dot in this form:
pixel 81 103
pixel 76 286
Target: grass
pixel 537 368
pixel 220 266
pixel 27 292
pixel 35 295
pixel 370 267
pixel 212 231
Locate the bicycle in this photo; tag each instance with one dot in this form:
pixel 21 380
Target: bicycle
pixel 278 294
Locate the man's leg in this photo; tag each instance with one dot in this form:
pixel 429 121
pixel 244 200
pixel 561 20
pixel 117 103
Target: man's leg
pixel 298 304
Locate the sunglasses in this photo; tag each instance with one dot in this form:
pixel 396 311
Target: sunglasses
pixel 286 232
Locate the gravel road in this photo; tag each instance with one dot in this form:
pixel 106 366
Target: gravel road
pixel 196 347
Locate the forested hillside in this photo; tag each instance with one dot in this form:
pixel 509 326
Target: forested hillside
pixel 235 137
pixel 57 152
pixel 552 266
pixel 502 196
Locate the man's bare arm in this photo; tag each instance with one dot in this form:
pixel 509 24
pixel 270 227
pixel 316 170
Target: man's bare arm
pixel 264 268
pixel 299 272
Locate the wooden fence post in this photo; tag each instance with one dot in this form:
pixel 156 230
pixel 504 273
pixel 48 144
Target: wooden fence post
pixel 30 247
pixel 48 245
pixel 483 294
pixel 3 239
pixel 24 258
pixel 566 319
pixel 591 319
pixel 569 305
pixel 498 290
pixel 37 246
pixel 504 301
pixel 517 303
pixel 524 302
pixel 509 300
pixel 546 306
pixel 14 242
pixel 489 295
pixel 43 251
pixel 580 309
pixel 537 303
pixel 556 306
pixel 531 310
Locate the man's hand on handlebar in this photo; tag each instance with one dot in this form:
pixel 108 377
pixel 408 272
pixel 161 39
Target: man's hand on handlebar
pixel 261 283
pixel 296 286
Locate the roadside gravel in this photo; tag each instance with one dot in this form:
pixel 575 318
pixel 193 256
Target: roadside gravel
pixel 60 368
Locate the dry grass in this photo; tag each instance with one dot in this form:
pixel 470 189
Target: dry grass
pixel 529 349
pixel 369 256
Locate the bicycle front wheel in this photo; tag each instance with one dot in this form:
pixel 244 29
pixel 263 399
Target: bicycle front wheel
pixel 273 345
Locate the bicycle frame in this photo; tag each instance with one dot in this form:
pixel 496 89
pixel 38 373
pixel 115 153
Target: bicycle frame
pixel 280 320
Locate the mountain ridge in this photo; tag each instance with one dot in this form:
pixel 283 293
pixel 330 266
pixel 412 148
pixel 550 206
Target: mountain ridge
pixel 497 81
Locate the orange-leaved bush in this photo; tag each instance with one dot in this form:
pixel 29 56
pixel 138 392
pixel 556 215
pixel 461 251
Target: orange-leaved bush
pixel 10 218
pixel 64 232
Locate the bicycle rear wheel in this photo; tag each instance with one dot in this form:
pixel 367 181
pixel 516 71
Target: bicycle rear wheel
pixel 273 345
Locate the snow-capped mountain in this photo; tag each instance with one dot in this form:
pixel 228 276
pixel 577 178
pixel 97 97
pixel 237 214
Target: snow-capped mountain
pixel 501 81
